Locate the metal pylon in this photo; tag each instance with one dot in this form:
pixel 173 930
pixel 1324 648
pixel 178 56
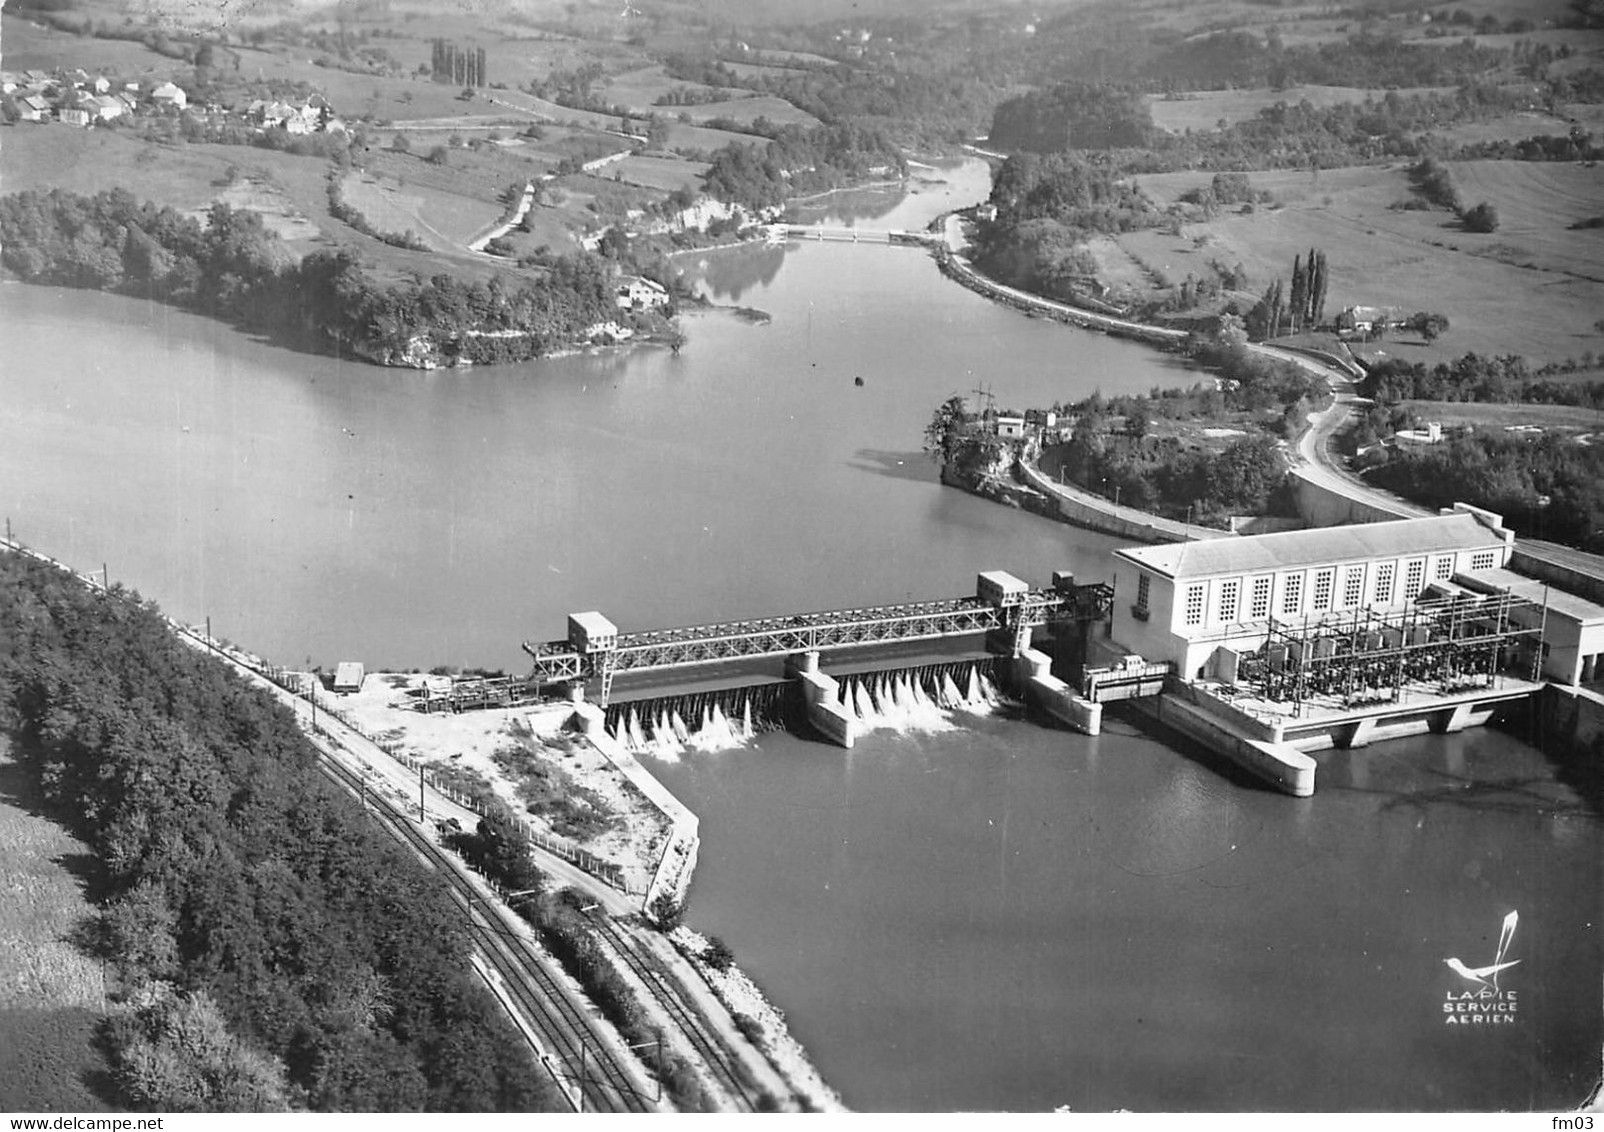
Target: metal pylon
pixel 607 663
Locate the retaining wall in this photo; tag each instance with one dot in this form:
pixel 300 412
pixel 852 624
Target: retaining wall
pixel 1321 505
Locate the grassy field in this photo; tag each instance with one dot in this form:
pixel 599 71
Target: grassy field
pixel 1526 124
pixel 32 46
pixel 663 173
pixel 51 993
pixel 748 110
pixel 686 138
pixel 639 90
pixel 442 221
pixel 1203 110
pixel 1534 287
pixel 1556 418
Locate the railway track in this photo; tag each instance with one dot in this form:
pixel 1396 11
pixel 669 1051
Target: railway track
pixel 570 1035
pixel 721 1062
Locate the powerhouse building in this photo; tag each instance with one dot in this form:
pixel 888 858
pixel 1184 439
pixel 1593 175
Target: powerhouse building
pixel 1198 605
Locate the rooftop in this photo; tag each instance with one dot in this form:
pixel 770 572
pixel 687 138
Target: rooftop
pixel 1288 550
pixel 1557 600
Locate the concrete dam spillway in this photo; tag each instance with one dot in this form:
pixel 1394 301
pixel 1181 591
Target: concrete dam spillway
pixel 731 664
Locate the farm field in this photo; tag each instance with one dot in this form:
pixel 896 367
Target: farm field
pixel 748 110
pixel 689 139
pixel 640 89
pixel 52 994
pixel 1531 288
pixel 32 46
pixel 1492 417
pixel 1523 125
pixel 663 173
pixel 88 161
pixel 443 221
pixel 1202 110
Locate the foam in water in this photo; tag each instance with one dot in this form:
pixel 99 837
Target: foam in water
pixel 902 702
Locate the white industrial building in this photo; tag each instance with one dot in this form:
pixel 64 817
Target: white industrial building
pixel 1179 603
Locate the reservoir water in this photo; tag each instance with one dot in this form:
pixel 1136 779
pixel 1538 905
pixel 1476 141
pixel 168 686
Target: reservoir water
pixel 992 916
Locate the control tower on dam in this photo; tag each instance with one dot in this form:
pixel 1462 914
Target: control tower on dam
pixel 993 627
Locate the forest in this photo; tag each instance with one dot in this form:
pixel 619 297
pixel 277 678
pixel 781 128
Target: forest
pixel 1046 207
pixel 1474 377
pixel 230 268
pixel 272 949
pixel 801 160
pixel 1547 487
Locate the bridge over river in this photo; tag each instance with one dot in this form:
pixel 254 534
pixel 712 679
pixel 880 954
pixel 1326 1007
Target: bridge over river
pixel 842 235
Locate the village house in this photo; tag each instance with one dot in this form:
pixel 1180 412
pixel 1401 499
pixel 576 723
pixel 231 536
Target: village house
pixel 34 108
pixel 170 94
pixel 107 107
pixel 1363 320
pixel 636 293
pixel 73 117
pixel 9 82
pixel 1010 428
pixel 101 85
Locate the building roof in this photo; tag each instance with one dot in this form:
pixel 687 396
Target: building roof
pixel 1290 550
pixel 349 674
pixel 1532 589
pixel 593 624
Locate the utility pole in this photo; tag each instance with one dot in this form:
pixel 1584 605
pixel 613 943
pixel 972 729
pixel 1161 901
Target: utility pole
pixel 583 1046
pixel 420 794
pixel 105 577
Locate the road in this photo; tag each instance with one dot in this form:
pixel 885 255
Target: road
pixel 1314 457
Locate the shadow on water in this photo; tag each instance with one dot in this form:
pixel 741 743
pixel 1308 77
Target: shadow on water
pixel 914 466
pixel 1137 724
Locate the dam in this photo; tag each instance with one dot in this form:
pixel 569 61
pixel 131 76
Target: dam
pixel 941 648
pixel 1263 648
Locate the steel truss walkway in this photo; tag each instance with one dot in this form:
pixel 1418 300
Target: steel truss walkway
pixel 594 648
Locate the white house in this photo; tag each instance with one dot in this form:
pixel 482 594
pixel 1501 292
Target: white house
pixel 635 293
pixel 1180 602
pixel 1010 428
pixel 34 108
pixel 73 117
pixel 170 94
pixel 107 107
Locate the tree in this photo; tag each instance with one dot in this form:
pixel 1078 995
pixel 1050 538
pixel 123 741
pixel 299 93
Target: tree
pixel 718 955
pixel 1318 314
pixel 946 430
pixel 401 144
pixel 1482 218
pixel 1300 291
pixel 439 155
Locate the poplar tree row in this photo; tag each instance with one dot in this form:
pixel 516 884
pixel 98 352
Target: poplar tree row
pixel 1277 313
pixel 464 66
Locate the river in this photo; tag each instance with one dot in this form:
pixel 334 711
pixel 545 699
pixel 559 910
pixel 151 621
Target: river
pixel 993 916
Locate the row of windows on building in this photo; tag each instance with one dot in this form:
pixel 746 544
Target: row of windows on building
pixel 1324 595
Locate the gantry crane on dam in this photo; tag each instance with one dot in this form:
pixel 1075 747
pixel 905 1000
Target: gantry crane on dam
pixel 1003 605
